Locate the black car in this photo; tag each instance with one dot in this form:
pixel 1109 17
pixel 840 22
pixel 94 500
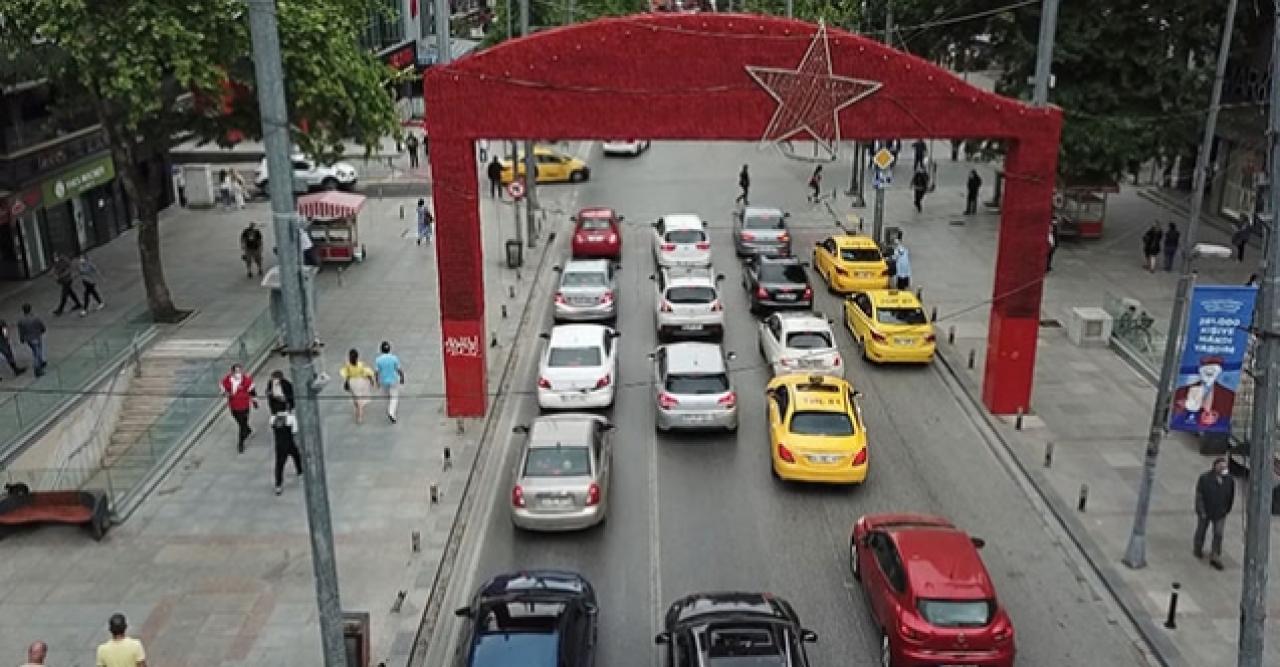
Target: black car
pixel 776 282
pixel 536 618
pixel 733 630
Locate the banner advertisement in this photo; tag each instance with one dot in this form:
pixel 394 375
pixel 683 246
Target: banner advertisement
pixel 1210 367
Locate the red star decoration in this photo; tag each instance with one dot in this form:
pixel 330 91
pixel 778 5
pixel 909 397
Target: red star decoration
pixel 810 97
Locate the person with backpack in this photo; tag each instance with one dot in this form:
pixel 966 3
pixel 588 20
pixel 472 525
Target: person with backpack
pixel 815 184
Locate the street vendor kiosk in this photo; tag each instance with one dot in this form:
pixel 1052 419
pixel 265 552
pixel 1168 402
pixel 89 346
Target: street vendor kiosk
pixel 1081 209
pixel 333 225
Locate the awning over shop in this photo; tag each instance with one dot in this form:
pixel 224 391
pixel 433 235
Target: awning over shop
pixel 330 205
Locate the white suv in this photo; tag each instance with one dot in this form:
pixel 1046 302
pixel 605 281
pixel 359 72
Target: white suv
pixel 681 240
pixel 311 175
pixel 687 303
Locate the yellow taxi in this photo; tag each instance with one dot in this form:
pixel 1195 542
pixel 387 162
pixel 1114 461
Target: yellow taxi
pixel 890 326
pixel 553 167
pixel 816 432
pixel 850 263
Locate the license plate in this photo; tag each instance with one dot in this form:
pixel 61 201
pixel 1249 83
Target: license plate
pixel 823 458
pixel 786 296
pixel 557 503
pixel 958 666
pixel 904 341
pixel 584 301
pixel 691 327
pixel 574 396
pixel 697 419
pixel 595 239
pixel 864 274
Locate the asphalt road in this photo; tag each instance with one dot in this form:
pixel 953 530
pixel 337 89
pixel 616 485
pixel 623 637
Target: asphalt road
pixel 696 513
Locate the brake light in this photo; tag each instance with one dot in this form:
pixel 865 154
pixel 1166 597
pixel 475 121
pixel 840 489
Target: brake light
pixel 544 383
pixel 909 633
pixel 884 272
pixel 748 236
pixel 665 307
pixel 788 362
pixel 808 292
pixel 1001 635
pixel 668 247
pixel 785 454
pixel 703 245
pixel 607 297
pixel 784 237
pixel 861 457
pixel 878 337
pixel 836 361
pixel 716 307
pixel 593 495
pixel 930 338
pixel 667 401
pixel 604 381
pixel 578 238
pixel 762 293
pixel 841 271
pixel 728 400
pixel 613 238
pixel 517 496
pixel 560 298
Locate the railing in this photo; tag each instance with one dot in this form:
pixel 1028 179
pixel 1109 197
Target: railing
pixel 1135 332
pixel 32 406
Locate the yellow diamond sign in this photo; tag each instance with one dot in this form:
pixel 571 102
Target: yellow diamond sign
pixel 883 159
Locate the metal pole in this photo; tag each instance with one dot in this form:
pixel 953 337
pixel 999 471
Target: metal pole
pixel 570 11
pixel 1044 52
pixel 855 177
pixel 510 20
pixel 877 225
pixel 530 192
pixel 524 18
pixel 1135 554
pixel 299 336
pixel 444 53
pixel 515 203
pixel 790 8
pixel 888 22
pixel 1257 525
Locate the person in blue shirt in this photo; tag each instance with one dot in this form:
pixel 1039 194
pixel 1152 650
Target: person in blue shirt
pixel 902 264
pixel 390 376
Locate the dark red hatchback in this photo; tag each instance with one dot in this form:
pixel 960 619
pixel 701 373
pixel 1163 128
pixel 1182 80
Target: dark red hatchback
pixel 597 234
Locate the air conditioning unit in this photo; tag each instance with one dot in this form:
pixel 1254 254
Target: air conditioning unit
pixel 1089 327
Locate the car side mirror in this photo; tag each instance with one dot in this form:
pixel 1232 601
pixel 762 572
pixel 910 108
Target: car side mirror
pixel 662 638
pixel 622 218
pixel 520 428
pixel 573 218
pixel 544 336
pixel 464 612
pixel 808 636
pixel 609 426
pixel 786 214
pixel 615 334
pixel 857 394
pixel 652 277
pixel 556 268
pixel 978 542
pixel 719 277
pixel 652 355
pixel 804 264
pixel 817 244
pixel 617 267
pixel 654 224
pixel 591 609
pixel 731 355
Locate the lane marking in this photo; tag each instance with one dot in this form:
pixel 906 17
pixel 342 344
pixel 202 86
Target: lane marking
pixel 655 567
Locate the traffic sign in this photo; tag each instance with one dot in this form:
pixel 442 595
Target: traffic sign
pixel 515 189
pixel 883 159
pixel 881 178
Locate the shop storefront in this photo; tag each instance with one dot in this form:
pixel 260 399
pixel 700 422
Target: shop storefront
pixel 1243 176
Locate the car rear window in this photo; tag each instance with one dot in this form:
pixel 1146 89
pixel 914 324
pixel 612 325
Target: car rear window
pixel 763 222
pixel 860 255
pixel 900 316
pixel 691 295
pixel 821 423
pixel 782 273
pixel 703 383
pixel 595 224
pixel 557 462
pixel 584 279
pixel 956 613
pixel 808 340
pixel 686 236
pixel 570 357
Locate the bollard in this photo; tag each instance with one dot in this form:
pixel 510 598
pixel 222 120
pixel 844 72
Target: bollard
pixel 460 426
pixel 951 335
pixel 519 279
pixel 511 291
pixel 504 311
pixel 972 357
pixel 1084 497
pixel 919 292
pixel 435 493
pixel 1171 621
pixel 493 339
pixel 1017 423
pixel 934 316
pixel 1048 454
pixel 402 211
pixel 448 459
pixel 416 540
pixel 395 606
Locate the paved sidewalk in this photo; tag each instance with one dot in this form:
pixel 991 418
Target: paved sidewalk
pixel 1093 406
pixel 214 569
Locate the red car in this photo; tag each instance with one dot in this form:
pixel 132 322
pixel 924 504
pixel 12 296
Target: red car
pixel 598 234
pixel 929 592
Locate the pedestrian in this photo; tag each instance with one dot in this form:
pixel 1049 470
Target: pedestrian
pixel 901 264
pixel 65 275
pixel 920 185
pixel 1215 493
pixel 895 147
pixel 31 332
pixel 1171 239
pixel 411 143
pixel 224 189
pixel 390 377
pixel 972 187
pixel 251 249
pixel 89 279
pixel 424 222
pixel 1151 242
pixel 359 381
pixel 920 149
pixel 1240 238
pixel 1252 281
pixel 36 653
pixel 121 650
pixel 426 146
pixel 238 188
pixel 495 178
pixel 306 246
pixel 284 425
pixel 180 182
pixel 744 184
pixel 1053 244
pixel 483 146
pixel 6 350
pixel 237 386
pixel 815 183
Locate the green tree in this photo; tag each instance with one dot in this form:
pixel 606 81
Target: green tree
pixel 155 70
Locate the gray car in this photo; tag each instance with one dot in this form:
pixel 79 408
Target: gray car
pixel 759 230
pixel 687 303
pixel 562 480
pixel 588 291
pixel 692 388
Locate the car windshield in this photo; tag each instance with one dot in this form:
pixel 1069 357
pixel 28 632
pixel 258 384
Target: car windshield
pixel 860 255
pixel 782 273
pixel 956 613
pixel 573 357
pixel 900 316
pixel 584 279
pixel 541 615
pixel 821 423
pixel 763 221
pixel 703 383
pixel 809 340
pixel 691 295
pixel 744 647
pixel 595 224
pixel 686 236
pixel 529 648
pixel 557 462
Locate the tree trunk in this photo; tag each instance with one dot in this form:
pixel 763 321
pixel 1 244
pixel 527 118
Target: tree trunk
pixel 141 182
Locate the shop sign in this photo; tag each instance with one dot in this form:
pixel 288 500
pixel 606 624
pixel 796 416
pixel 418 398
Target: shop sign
pixel 20 203
pixel 401 55
pixel 78 180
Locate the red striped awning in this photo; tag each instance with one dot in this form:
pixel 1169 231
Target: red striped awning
pixel 330 205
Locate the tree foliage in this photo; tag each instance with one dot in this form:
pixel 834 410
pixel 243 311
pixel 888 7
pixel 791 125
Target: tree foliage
pixel 155 70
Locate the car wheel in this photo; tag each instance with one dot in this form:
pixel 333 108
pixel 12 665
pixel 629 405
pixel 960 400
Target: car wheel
pixel 330 183
pixel 853 560
pixel 886 651
pixel 577 177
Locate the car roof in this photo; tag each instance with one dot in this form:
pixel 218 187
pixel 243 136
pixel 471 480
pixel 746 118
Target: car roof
pixel 577 335
pixel 695 358
pixel 762 210
pixel 598 212
pixel 586 265
pixel 682 221
pixel 689 276
pixel 816 393
pixel 892 298
pixel 567 429
pixel 802 321
pixel 942 562
pixel 562 582
pixel 729 603
pixel 776 259
pixel 855 241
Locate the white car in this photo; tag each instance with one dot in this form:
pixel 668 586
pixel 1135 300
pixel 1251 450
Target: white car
pixel 681 240
pixel 579 368
pixel 309 174
pixel 799 342
pixel 631 147
pixel 687 303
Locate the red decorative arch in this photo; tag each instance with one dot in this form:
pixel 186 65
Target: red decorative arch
pixel 606 79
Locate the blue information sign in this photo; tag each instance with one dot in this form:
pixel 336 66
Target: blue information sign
pixel 1210 366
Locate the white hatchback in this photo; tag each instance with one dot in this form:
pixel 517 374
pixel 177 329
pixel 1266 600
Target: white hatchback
pixel 579 368
pixel 681 240
pixel 797 342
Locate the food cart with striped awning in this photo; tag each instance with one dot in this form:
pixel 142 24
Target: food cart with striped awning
pixel 333 225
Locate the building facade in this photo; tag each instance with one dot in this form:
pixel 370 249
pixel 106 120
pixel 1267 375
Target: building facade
pixel 1239 158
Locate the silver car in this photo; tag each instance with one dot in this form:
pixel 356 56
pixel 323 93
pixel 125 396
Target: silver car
pixel 588 291
pixel 681 240
pixel 794 342
pixel 687 303
pixel 562 480
pixel 760 230
pixel 692 388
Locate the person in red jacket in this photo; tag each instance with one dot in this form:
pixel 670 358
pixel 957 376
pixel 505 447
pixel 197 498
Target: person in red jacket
pixel 237 386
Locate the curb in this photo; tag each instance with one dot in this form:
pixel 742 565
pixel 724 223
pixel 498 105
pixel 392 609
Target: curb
pixel 1159 645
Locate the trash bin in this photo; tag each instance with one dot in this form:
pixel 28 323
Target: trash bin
pixel 515 254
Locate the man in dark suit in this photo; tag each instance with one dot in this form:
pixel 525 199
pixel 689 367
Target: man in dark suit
pixel 1215 493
